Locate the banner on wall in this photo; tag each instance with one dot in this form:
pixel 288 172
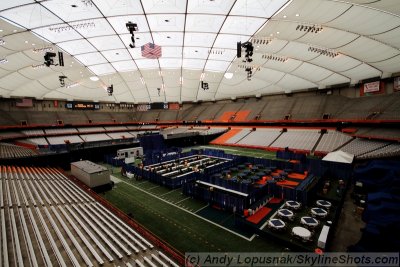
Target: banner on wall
pixel 372 88
pixel 396 84
pixel 174 106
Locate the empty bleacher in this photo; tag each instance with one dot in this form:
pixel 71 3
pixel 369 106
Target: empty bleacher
pixel 227 111
pixel 6 119
pixel 254 106
pixel 310 107
pixel 90 129
pixel 18 116
pixel 94 137
pixel 46 220
pixel 383 133
pixel 359 146
pixel 61 131
pixel 297 139
pixel 148 116
pixel 238 136
pixel 99 117
pixel 277 108
pixel 391 110
pixel 331 140
pixel 168 115
pixel 391 150
pixel 33 132
pixel 261 137
pixel 362 107
pixel 12 151
pixel 209 112
pixel 120 117
pixel 40 117
pixel 59 140
pixel 120 135
pixel 73 117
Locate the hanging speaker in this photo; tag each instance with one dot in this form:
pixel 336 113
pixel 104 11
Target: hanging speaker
pixel 239 49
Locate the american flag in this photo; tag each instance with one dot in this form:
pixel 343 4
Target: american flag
pixel 24 103
pixel 151 51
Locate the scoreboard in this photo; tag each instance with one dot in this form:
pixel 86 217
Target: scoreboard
pixel 82 106
pixel 159 105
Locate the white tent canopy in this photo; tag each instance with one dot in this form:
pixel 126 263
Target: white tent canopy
pixel 339 156
pixel 298 45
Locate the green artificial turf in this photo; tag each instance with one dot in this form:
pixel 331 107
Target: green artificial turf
pixel 181 229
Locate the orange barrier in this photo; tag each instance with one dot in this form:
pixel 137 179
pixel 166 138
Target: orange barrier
pixel 259 215
pixel 287 183
pixel 225 137
pixel 242 115
pixel 275 200
pixel 226 116
pixel 297 176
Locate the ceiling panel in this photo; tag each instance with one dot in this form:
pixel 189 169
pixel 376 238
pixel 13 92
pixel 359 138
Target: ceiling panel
pixel 77 47
pixel 364 33
pixel 118 7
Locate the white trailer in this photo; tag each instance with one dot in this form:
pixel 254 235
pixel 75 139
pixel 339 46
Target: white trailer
pixel 130 154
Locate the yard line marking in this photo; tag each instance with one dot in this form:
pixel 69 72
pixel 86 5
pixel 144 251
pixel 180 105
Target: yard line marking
pixel 151 188
pixel 182 200
pixel 169 192
pixel 142 182
pixel 187 211
pixel 202 208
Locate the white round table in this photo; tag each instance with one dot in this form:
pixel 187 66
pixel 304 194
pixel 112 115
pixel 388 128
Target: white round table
pixel 276 223
pixel 285 213
pixel 324 203
pixel 292 204
pixel 319 212
pixel 301 232
pixel 310 221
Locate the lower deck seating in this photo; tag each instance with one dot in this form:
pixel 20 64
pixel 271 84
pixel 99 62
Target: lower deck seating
pixel 13 151
pixel 48 220
pixel 361 146
pixel 297 139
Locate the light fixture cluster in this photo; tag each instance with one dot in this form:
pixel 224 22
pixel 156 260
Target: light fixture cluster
pixel 261 40
pixel 309 28
pixel 3 61
pixel 132 27
pixel 110 105
pixel 87 2
pixel 216 51
pixel 2 42
pixel 324 51
pixel 110 90
pixel 275 58
pixel 249 73
pixel 43 49
pixel 248 49
pixel 49 59
pixel 204 86
pixel 253 67
pixel 77 26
